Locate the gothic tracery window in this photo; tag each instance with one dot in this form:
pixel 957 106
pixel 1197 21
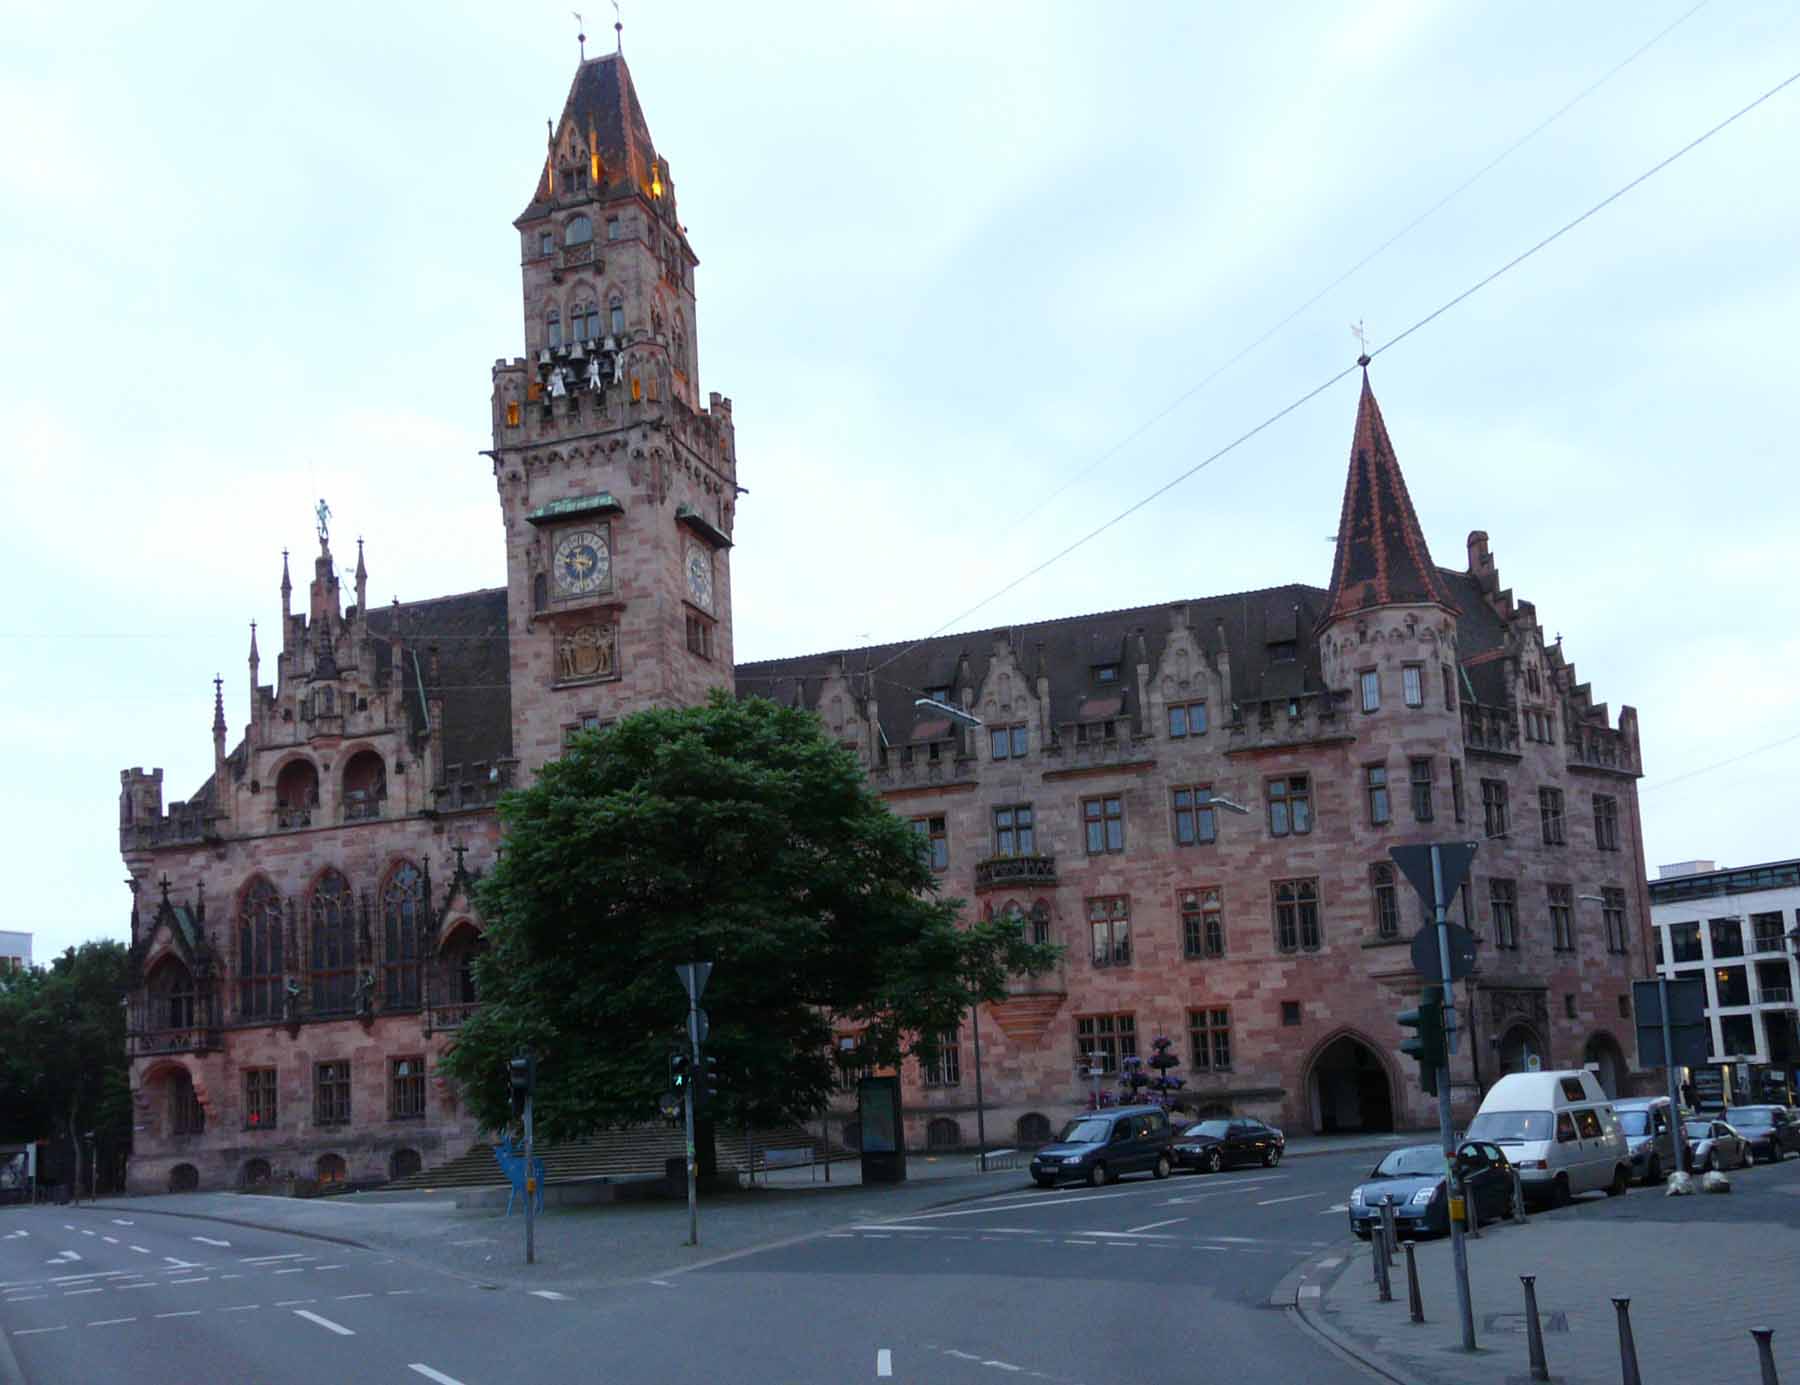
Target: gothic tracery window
pixel 333 945
pixel 259 952
pixel 402 903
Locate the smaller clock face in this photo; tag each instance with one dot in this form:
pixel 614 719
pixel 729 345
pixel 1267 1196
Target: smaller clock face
pixel 583 562
pixel 700 576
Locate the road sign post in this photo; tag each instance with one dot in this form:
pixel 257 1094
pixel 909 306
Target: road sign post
pixel 522 1073
pixel 1671 1016
pixel 693 976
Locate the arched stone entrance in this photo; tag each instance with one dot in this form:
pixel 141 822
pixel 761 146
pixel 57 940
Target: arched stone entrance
pixel 1348 1088
pixel 1604 1053
pixel 1518 1046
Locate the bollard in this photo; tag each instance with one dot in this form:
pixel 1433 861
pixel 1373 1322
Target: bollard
pixel 1534 1331
pixel 1628 1366
pixel 1375 1252
pixel 1518 1215
pixel 1392 1238
pixel 1413 1303
pixel 1471 1215
pixel 1383 1282
pixel 1765 1352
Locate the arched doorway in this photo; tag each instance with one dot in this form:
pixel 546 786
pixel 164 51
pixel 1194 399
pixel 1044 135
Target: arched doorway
pixel 184 1178
pixel 404 1163
pixel 331 1168
pixel 1608 1060
pixel 1349 1089
pixel 255 1174
pixel 1034 1129
pixel 1519 1047
pixel 943 1133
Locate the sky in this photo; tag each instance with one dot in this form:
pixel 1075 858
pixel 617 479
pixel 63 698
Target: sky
pixel 977 279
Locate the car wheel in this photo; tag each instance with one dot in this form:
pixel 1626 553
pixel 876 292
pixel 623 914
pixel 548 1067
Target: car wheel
pixel 1162 1169
pixel 1212 1163
pixel 1559 1191
pixel 1272 1156
pixel 1097 1176
pixel 1621 1181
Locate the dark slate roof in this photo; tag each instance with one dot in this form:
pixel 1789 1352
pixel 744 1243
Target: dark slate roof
pixel 469 633
pixel 1381 555
pixel 1480 639
pixel 603 100
pixel 1068 651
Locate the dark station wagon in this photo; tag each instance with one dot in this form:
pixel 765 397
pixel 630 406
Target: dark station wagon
pixel 1100 1146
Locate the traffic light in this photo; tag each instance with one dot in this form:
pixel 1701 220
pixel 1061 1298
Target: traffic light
pixel 521 1072
pixel 1427 1044
pixel 706 1081
pixel 680 1070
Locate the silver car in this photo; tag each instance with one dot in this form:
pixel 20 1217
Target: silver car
pixel 1715 1145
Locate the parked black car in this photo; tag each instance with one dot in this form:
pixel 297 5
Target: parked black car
pixel 1414 1178
pixel 1100 1146
pixel 1217 1144
pixel 1771 1132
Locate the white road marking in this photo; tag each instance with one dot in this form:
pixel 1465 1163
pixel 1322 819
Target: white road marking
pixel 884 1362
pixel 68 1226
pixel 1003 1365
pixel 872 1236
pixel 328 1267
pixel 89 1233
pixel 290 1302
pixel 662 1283
pixel 296 1269
pixel 839 1236
pixel 1291 1197
pixel 175 1262
pixel 266 1259
pixel 549 1294
pixel 29 1331
pixel 72 1292
pixel 430 1374
pixel 1240 1240
pixel 1081 1243
pixel 1126 1235
pixel 231 1276
pixel 394 1293
pixel 184 1313
pixel 208 1241
pixel 325 1323
pixel 122 1221
pixel 960 1355
pixel 110 1240
pixel 1151 1226
pixel 478 1241
pixel 1309 1291
pixel 141 1250
pixel 1335 1208
pixel 1332 1263
pixel 110 1322
pixel 64 1257
pixel 342 1297
pixel 22 1298
pixel 197 1279
pixel 241 1308
pixel 91 1274
pixel 145 1284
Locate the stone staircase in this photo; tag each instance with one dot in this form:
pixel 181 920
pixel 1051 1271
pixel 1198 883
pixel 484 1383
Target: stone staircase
pixel 635 1151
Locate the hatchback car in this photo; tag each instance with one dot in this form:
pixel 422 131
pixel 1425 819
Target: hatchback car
pixel 1414 1179
pixel 1715 1145
pixel 1218 1144
pixel 1102 1145
pixel 1768 1129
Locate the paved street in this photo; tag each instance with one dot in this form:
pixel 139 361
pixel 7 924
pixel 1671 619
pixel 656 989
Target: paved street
pixel 1140 1280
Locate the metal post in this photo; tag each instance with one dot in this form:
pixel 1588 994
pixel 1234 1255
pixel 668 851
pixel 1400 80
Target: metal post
pixel 980 1109
pixel 825 1137
pixel 530 1189
pixel 1628 1366
pixel 687 1103
pixel 1459 1251
pixel 1383 1281
pixel 1534 1330
pixel 1413 1303
pixel 1518 1199
pixel 1677 1135
pixel 1390 1233
pixel 1765 1354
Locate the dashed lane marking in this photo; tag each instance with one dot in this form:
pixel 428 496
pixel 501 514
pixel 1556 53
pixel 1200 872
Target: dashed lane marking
pixel 1151 1226
pixel 1291 1197
pixel 325 1323
pixel 73 1292
pixel 197 1279
pixel 110 1240
pixel 241 1308
pixel 123 1221
pixel 549 1294
pixel 268 1259
pixel 184 1313
pixel 141 1250
pixel 209 1241
pixel 430 1374
pixel 1081 1243
pixel 884 1362
pixel 110 1322
pixel 296 1269
pixel 86 1232
pixel 328 1267
pixel 33 1331
pixel 342 1297
pixel 294 1302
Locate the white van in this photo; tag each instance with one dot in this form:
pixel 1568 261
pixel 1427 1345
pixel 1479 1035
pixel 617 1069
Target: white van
pixel 1559 1129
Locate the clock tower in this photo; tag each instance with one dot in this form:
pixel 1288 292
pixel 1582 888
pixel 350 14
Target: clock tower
pixel 617 486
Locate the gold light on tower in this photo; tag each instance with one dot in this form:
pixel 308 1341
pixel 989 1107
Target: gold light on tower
pixel 656 187
pixel 593 157
pixel 512 413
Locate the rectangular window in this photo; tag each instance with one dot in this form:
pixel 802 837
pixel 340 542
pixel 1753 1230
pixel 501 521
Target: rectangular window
pixel 1727 937
pixel 946 1071
pixel 1209 1040
pixel 1104 822
pixel 1109 930
pixel 1550 813
pixel 1387 900
pixel 1106 673
pixel 1007 742
pixel 1768 931
pixel 700 636
pixel 1456 789
pixel 1013 831
pixel 331 1093
pixel 1612 915
pixel 1290 804
pixel 1375 781
pixel 937 841
pixel 1606 822
pixel 1297 915
pixel 1202 923
pixel 1684 942
pixel 1412 685
pixel 1493 807
pixel 1420 774
pixel 1449 689
pixel 1187 719
pixel 259 1099
pixel 1371 690
pixel 186 1115
pixel 1562 917
pixel 613 229
pixel 1503 900
pixel 406 1088
pixel 1196 820
pixel 1102 1040
pixel 1290 1012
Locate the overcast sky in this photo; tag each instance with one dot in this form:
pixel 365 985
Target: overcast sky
pixel 957 263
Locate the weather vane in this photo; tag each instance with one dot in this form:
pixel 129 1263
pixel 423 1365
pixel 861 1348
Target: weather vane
pixel 1362 338
pixel 324 514
pixel 619 27
pixel 581 34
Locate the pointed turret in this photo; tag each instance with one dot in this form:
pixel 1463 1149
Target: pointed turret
pixel 255 667
pixel 601 145
pixel 287 590
pixel 1381 555
pixel 218 726
pixel 362 583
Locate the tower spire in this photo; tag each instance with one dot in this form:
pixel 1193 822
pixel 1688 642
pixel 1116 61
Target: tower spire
pixel 1381 555
pixel 287 586
pixel 362 582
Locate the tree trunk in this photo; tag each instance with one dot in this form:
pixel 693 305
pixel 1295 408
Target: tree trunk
pixel 75 1141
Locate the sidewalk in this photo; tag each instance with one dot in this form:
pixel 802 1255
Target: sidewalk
pixel 1699 1271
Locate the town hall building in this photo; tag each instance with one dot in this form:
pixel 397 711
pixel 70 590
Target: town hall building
pixel 1196 798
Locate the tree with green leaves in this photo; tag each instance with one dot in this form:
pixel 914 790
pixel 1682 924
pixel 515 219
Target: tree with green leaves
pixel 736 833
pixel 63 1067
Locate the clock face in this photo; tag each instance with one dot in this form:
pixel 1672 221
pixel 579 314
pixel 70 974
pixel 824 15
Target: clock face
pixel 700 576
pixel 583 562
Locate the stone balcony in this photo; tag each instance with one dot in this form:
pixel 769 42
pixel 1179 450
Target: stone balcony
pixel 1015 873
pixel 192 1038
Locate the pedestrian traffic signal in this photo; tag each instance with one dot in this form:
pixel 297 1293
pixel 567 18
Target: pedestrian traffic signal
pixel 521 1073
pixel 1427 1043
pixel 680 1070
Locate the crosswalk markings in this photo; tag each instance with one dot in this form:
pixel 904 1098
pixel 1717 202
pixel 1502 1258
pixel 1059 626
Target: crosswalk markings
pixel 325 1323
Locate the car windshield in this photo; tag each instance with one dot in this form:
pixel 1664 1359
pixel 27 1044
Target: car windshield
pixel 1698 1130
pixel 1635 1122
pixel 1086 1131
pixel 1504 1127
pixel 1750 1115
pixel 1411 1162
pixel 1212 1129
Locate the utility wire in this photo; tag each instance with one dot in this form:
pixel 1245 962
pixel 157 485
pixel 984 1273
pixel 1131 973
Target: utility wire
pixel 1410 226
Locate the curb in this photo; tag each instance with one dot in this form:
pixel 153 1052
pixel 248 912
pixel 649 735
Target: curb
pixel 11 1372
pixel 244 1222
pixel 1290 1295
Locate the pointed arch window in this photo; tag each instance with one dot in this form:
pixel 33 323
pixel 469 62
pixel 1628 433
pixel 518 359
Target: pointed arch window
pixel 333 946
pixel 553 328
pixel 580 231
pixel 259 951
pixel 402 915
pixel 616 315
pixel 591 312
pixel 171 996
